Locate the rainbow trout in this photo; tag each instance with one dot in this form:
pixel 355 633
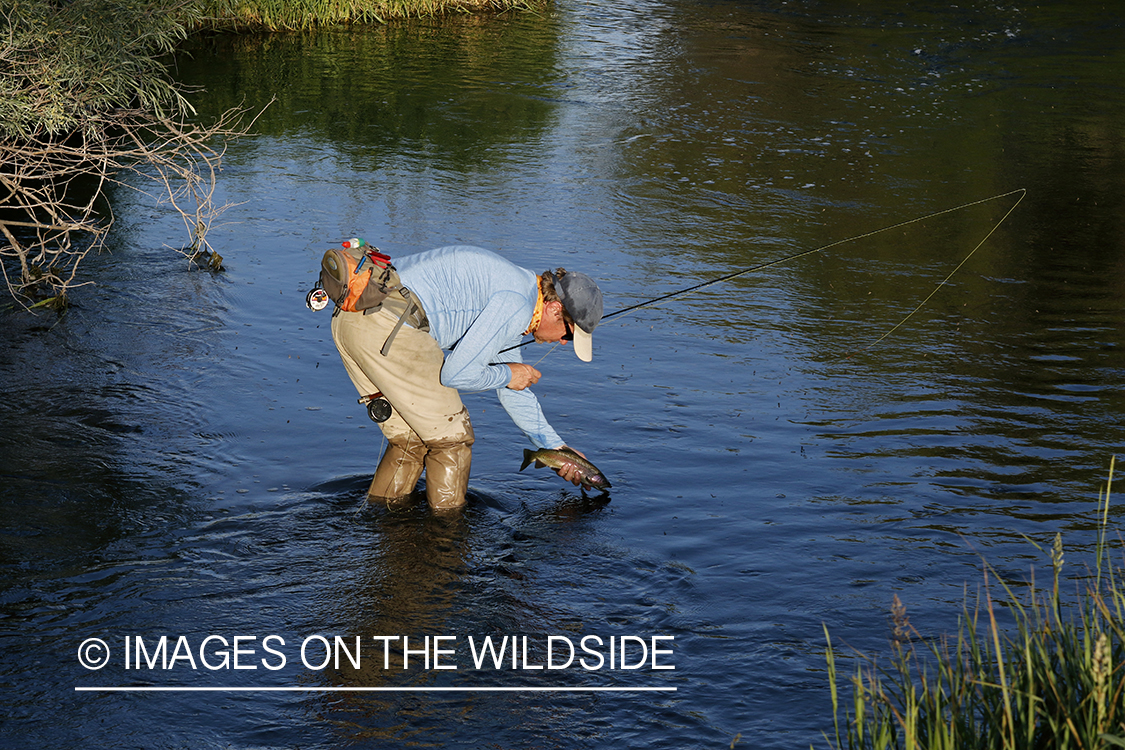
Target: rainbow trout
pixel 590 475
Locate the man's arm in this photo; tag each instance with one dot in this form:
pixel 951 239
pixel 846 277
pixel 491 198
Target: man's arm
pixel 523 407
pixel 469 366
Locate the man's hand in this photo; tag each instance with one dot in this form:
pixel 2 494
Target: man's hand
pixel 570 472
pixel 522 376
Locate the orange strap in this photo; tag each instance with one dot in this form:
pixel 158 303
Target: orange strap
pixel 537 316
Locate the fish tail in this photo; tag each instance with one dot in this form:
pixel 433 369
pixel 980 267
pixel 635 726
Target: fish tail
pixel 528 457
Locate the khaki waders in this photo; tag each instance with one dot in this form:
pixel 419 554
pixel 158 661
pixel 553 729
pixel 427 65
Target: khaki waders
pixel 429 427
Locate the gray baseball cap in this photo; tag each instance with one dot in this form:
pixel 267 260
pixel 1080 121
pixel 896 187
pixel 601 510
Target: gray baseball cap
pixel 583 302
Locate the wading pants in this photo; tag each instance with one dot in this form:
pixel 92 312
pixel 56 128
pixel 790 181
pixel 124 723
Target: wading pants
pixel 428 428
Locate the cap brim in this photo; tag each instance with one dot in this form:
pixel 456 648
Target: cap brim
pixel 583 344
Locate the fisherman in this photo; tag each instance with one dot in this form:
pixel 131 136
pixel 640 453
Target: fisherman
pixel 476 304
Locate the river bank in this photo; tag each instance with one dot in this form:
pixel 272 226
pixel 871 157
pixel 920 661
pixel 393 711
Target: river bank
pixel 111 105
pixel 274 15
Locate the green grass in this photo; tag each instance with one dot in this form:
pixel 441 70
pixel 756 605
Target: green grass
pixel 1051 679
pixel 278 15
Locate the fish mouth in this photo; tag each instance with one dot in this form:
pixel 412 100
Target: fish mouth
pixel 597 482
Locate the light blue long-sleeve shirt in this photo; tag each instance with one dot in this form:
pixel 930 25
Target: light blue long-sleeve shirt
pixel 479 303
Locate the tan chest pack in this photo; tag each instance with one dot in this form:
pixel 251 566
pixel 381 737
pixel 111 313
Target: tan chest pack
pixel 359 278
pixel 356 277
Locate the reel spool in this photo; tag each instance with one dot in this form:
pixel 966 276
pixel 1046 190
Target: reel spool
pixel 378 408
pixel 317 299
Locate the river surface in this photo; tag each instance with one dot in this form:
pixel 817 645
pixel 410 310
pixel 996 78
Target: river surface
pixel 182 454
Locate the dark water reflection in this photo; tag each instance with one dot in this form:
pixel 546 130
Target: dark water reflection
pixel 182 454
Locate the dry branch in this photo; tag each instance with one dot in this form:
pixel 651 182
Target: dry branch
pixel 55 208
pixel 86 108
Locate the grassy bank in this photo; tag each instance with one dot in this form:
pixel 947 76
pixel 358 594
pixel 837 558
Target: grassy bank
pixel 1049 677
pixel 278 15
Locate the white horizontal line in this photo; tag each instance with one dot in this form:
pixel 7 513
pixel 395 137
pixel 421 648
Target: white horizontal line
pixel 171 689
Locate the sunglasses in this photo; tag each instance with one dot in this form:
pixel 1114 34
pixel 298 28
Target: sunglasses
pixel 569 335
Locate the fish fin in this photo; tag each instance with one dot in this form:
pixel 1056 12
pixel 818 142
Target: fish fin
pixel 528 457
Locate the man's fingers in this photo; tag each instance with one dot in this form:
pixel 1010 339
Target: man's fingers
pixel 522 376
pixel 570 473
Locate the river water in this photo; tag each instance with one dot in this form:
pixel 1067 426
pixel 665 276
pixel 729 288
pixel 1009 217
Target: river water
pixel 182 454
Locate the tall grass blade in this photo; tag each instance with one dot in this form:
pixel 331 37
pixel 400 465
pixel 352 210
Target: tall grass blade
pixel 1047 680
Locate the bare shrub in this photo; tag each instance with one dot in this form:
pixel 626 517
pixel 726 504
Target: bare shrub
pixel 85 104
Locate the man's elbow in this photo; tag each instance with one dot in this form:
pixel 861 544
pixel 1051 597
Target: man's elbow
pixel 459 382
pixel 478 380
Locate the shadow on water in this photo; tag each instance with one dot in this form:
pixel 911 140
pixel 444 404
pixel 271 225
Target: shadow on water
pixel 67 421
pixel 492 572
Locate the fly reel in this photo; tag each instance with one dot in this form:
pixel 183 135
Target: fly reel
pixel 378 408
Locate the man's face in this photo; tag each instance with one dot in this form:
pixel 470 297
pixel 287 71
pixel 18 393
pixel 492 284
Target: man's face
pixel 553 327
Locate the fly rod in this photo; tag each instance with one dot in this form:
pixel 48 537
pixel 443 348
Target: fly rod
pixel 672 295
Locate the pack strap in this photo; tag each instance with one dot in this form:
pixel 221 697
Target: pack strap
pixel 412 313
